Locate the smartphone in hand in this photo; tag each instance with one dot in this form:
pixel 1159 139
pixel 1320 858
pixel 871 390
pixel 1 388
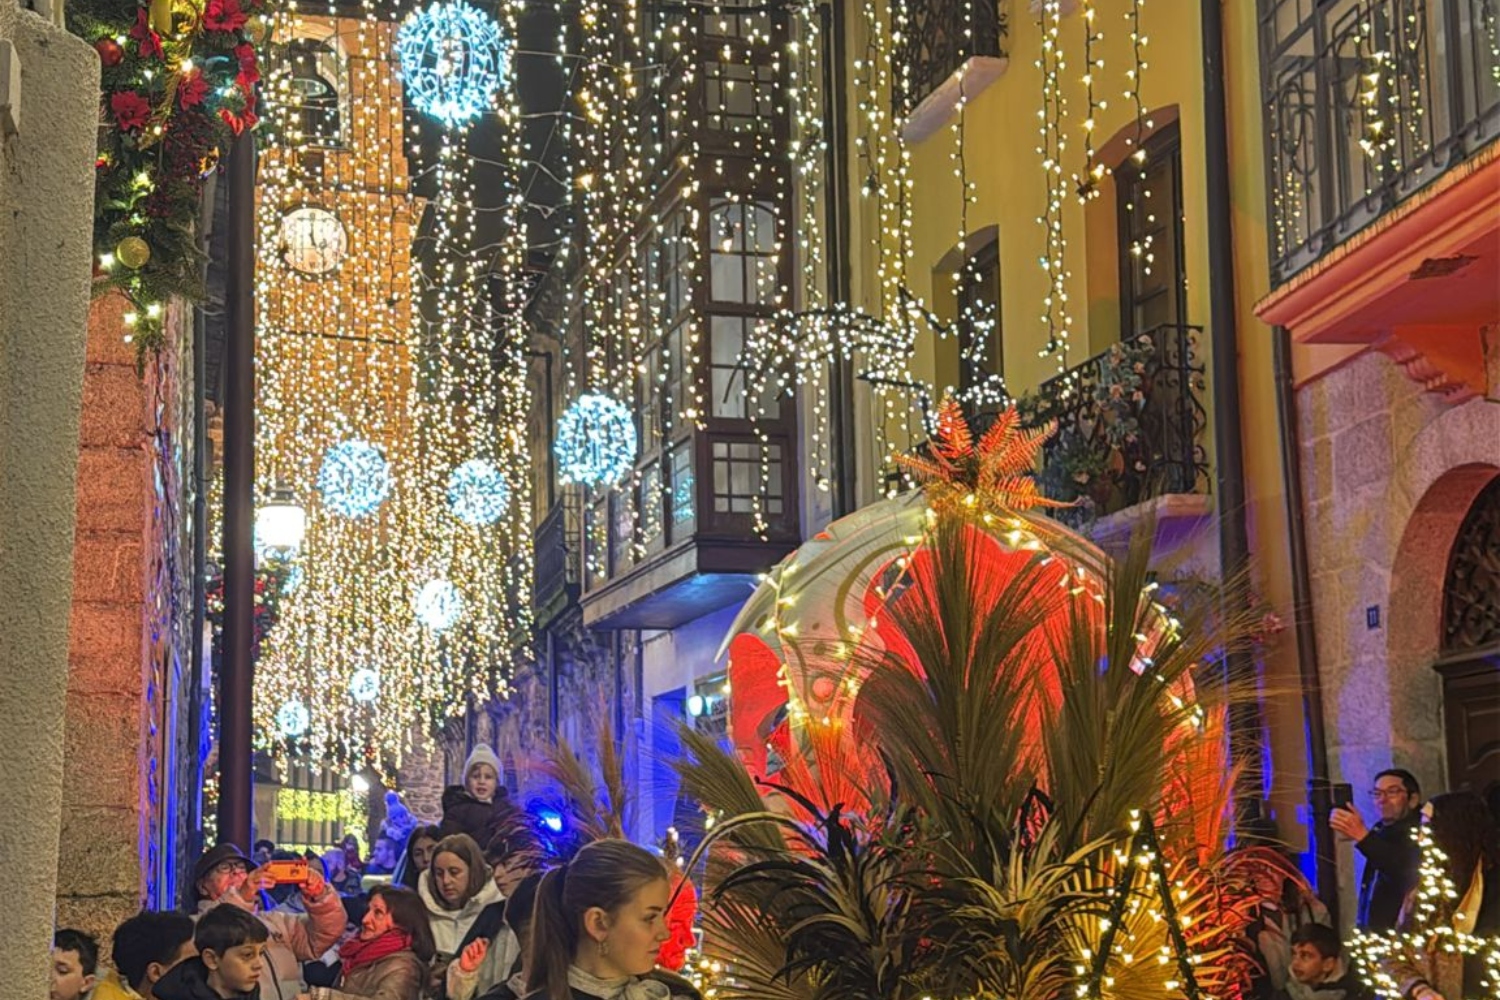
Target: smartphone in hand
pixel 287 872
pixel 1343 796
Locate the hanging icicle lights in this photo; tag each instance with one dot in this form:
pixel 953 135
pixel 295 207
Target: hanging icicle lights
pixel 465 533
pixel 1051 148
pixel 333 360
pixel 346 357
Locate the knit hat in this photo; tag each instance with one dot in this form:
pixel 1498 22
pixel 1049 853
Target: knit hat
pixel 481 755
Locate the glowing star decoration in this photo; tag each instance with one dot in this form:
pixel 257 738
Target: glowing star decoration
pixel 478 493
pixel 355 478
pixel 452 61
pixel 292 719
pixel 596 441
pixel 439 605
pixel 364 685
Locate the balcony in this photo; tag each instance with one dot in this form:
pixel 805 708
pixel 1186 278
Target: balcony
pixel 1130 424
pixel 1366 103
pixel 939 40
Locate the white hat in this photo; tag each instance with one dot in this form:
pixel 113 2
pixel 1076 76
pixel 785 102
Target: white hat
pixel 482 755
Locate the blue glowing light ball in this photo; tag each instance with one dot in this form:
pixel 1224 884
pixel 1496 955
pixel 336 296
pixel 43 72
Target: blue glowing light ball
pixel 293 718
pixel 364 685
pixel 439 605
pixel 596 441
pixel 355 478
pixel 550 819
pixel 477 493
pixel 452 59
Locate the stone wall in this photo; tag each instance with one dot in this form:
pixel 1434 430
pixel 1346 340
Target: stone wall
pixel 46 230
pixel 1389 472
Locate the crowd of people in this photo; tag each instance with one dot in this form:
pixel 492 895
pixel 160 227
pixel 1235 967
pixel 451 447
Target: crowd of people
pixel 473 910
pixel 454 921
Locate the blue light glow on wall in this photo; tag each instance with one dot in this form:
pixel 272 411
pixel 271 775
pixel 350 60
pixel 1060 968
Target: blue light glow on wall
pixel 477 493
pixel 596 441
pixel 354 478
pixel 452 60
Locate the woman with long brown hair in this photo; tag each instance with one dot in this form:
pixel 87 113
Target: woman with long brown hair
pixel 458 885
pixel 389 958
pixel 597 926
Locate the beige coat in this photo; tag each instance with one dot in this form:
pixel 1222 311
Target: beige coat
pixel 1442 970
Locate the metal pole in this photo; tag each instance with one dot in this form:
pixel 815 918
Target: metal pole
pixel 1319 786
pixel 841 422
pixel 1245 727
pixel 237 671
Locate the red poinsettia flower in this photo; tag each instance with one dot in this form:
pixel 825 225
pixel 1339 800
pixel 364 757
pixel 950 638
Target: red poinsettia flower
pixel 224 15
pixel 192 91
pixel 249 67
pixel 148 42
pixel 130 109
pixel 238 123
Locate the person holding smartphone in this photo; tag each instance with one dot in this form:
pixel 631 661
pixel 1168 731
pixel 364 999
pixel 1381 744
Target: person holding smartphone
pixel 224 876
pixel 1392 857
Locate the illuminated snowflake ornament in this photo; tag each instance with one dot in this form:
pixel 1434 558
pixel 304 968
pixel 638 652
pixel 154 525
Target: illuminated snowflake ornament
pixel 439 605
pixel 292 719
pixel 354 479
pixel 478 493
pixel 452 60
pixel 596 441
pixel 364 685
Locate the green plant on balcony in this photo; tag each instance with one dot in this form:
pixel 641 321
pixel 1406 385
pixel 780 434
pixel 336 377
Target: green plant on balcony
pixel 1097 458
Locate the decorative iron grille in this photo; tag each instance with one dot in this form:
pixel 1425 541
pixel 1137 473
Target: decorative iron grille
pixel 1471 593
pixel 1365 102
pixel 939 37
pixel 1130 424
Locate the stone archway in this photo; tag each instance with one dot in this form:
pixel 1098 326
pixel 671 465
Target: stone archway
pixel 1415 637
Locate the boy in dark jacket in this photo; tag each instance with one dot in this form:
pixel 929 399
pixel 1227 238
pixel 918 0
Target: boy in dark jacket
pixel 1316 950
pixel 231 955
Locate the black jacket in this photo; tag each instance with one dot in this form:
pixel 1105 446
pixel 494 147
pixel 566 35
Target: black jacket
pixel 188 980
pixel 681 989
pixel 463 813
pixel 1392 859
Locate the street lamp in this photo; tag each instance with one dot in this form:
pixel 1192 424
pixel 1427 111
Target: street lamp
pixel 280 523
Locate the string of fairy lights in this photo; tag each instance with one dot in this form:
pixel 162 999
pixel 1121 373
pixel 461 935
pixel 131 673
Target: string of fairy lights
pixel 694 245
pixel 392 400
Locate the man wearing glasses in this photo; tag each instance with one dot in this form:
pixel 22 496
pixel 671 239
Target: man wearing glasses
pixel 1390 847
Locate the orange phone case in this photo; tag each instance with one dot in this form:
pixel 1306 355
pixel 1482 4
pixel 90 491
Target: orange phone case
pixel 288 872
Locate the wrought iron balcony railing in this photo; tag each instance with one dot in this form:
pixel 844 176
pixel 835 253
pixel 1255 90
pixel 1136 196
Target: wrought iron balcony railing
pixel 558 564
pixel 940 36
pixel 1130 424
pixel 1366 101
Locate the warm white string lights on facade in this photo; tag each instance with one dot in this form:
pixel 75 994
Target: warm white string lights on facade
pixel 1051 148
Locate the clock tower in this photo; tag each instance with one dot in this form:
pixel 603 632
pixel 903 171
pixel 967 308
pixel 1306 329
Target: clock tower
pixel 335 222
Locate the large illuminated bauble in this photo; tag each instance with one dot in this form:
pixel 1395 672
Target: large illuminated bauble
pixel 292 719
pixel 364 685
pixel 478 493
pixel 439 605
pixel 452 60
pixel 596 441
pixel 354 479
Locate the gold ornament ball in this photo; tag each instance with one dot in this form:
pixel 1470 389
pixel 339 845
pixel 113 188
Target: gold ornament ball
pixel 133 252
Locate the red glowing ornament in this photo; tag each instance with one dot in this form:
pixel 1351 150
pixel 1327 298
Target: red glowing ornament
pixel 111 52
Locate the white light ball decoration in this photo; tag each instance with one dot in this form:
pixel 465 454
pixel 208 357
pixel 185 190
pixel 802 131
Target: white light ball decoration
pixel 439 605
pixel 365 685
pixel 478 493
pixel 292 719
pixel 452 60
pixel 596 441
pixel 354 479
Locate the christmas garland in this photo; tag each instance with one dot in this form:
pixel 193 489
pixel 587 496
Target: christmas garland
pixel 178 84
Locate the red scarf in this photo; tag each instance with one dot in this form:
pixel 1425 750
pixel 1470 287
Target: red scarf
pixel 358 952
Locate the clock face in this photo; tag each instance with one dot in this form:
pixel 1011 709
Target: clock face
pixel 313 240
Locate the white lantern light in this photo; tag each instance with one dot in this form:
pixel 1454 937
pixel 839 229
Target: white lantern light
pixel 280 523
